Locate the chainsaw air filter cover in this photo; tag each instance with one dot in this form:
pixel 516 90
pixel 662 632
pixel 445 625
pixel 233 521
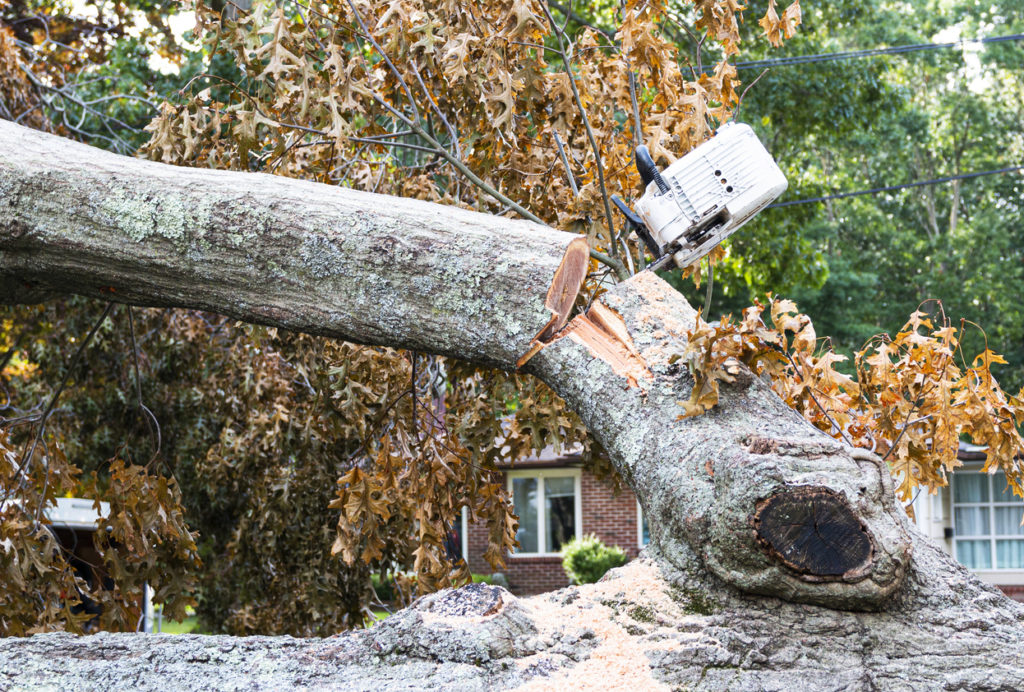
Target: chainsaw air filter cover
pixel 712 191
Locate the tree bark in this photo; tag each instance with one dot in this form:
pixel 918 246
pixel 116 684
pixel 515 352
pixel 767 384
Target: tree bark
pixel 313 258
pixel 748 503
pixel 645 626
pixel 704 481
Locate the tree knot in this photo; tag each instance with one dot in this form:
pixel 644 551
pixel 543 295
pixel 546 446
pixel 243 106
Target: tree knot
pixel 814 531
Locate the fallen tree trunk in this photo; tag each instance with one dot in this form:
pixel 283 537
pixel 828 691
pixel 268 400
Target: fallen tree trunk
pixel 645 626
pixel 747 499
pixel 767 502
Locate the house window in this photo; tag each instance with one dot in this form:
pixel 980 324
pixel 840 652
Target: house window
pixel 457 542
pixel 986 520
pixel 548 505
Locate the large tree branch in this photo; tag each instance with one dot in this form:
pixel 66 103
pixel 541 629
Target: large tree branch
pixel 767 502
pixel 314 258
pixel 644 627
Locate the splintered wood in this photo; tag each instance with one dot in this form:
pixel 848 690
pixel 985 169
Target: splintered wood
pixel 561 295
pixel 612 345
pixel 604 334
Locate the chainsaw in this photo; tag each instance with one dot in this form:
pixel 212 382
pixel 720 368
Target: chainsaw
pixel 701 199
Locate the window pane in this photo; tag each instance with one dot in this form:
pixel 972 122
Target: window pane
pixel 453 541
pixel 524 501
pixel 1001 491
pixel 971 521
pixel 1010 554
pixel 970 487
pixel 645 530
pixel 938 508
pixel 1008 521
pixel 974 554
pixel 560 494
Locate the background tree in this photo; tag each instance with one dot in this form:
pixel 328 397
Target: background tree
pixel 858 266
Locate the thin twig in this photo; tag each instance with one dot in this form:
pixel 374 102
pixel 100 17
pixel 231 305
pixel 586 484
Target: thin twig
pixel 611 262
pixel 380 51
pixel 412 387
pixel 415 124
pixel 568 13
pixel 30 451
pixel 810 392
pixel 400 145
pixel 638 134
pixel 739 104
pixel 452 132
pixel 590 132
pixel 151 422
pixel 312 33
pixel 565 162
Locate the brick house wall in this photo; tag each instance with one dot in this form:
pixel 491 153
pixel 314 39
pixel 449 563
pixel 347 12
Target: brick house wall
pixel 613 518
pixel 1014 592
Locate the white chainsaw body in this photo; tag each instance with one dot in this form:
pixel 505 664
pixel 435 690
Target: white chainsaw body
pixel 713 190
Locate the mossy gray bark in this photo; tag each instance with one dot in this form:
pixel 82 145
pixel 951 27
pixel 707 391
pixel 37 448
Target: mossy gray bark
pixel 646 626
pixel 304 256
pixel 701 479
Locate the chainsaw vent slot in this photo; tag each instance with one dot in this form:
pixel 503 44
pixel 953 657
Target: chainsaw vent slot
pixel 708 225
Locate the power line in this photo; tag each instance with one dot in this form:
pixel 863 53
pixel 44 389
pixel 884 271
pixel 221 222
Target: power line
pixel 871 52
pixel 890 188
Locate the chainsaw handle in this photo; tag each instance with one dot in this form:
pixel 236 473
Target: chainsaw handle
pixel 647 169
pixel 638 224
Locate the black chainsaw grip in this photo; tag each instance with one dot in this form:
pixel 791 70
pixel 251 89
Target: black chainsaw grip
pixel 647 169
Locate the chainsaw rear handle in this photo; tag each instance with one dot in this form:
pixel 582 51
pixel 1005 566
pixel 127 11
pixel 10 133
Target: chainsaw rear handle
pixel 647 169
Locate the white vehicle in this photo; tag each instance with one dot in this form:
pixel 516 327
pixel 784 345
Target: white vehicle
pixel 698 201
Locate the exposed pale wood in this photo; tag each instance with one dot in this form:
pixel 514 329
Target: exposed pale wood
pixel 610 321
pixel 561 295
pixel 566 286
pixel 608 348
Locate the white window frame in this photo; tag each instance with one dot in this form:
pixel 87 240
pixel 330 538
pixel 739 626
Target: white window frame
pixel 640 525
pixel 991 505
pixel 464 518
pixel 542 520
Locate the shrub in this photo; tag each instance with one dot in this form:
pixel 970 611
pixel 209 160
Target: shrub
pixel 585 560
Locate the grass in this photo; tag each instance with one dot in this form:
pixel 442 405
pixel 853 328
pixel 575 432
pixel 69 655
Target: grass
pixel 187 626
pixel 184 627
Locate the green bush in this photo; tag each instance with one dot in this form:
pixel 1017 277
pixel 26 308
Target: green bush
pixel 585 560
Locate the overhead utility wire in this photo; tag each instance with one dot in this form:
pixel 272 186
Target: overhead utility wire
pixel 851 54
pixel 889 188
